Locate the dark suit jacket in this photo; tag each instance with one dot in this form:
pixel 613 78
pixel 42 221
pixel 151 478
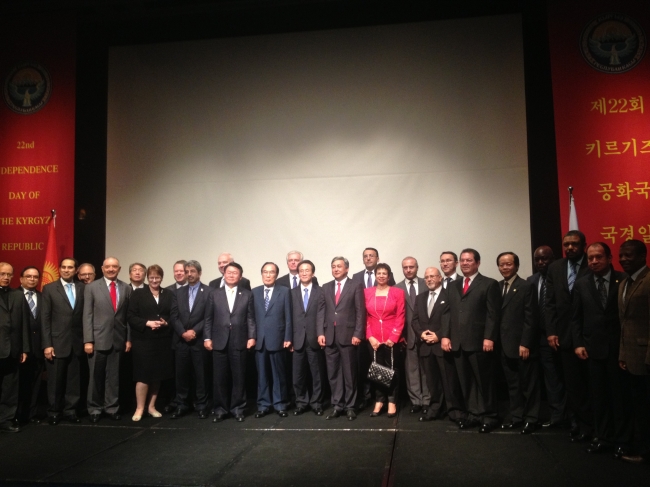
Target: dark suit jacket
pixel 422 322
pixel 172 287
pixel 596 328
pixel 243 283
pixel 14 326
pixel 474 316
pixel 349 314
pixel 62 325
pixel 519 318
pixel 182 319
pixel 222 325
pixel 361 277
pixel 558 301
pixel 34 323
pixel 103 326
pixel 286 281
pixel 143 307
pixel 306 325
pixel 409 334
pixel 634 316
pixel 274 324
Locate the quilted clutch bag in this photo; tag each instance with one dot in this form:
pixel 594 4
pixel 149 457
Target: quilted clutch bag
pixel 380 374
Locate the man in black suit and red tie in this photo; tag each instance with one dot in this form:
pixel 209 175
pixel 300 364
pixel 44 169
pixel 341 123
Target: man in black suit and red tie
pixel 344 326
pixel 471 332
pixel 229 332
pixel 308 356
pixel 560 279
pixel 519 345
pixel 62 324
pixel 596 333
pixel 438 366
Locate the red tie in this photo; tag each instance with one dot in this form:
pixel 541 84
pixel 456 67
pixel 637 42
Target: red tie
pixel 466 286
pixel 338 293
pixel 114 295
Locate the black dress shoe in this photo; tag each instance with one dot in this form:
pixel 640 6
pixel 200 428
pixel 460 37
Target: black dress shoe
pixel 391 415
pixel 35 420
pixel 169 409
pixel 219 417
pixel 178 413
pixel 581 438
pixel 528 428
pixel 512 425
pixel 468 424
pixel 597 447
pixel 633 458
pixel 114 416
pixel 299 410
pixel 9 427
pixel 374 414
pixel 351 415
pixel 574 431
pixel 318 411
pixel 71 418
pixel 283 413
pixel 239 418
pixel 53 420
pixel 203 414
pixel 620 452
pixel 416 409
pixel 15 422
pixel 94 418
pixel 334 414
pixel 261 414
pixel 486 428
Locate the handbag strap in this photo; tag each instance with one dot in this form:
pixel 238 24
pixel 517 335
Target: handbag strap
pixel 391 357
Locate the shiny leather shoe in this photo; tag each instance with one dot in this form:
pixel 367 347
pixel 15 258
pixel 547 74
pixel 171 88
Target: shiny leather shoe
pixel 169 409
pixel 10 428
pixel 633 458
pixel 299 410
pixel 35 420
pixel 374 414
pixel 597 447
pixel 94 418
pixel 261 414
pixel 574 431
pixel 512 425
pixel 239 418
pixel 425 410
pixel 416 409
pixel 468 424
pixel 486 428
pixel 113 416
pixel 621 452
pixel 391 415
pixel 282 413
pixel 529 428
pixel 178 413
pixel 53 420
pixel 218 418
pixel 318 411
pixel 351 415
pixel 424 419
pixel 581 438
pixel 334 414
pixel 71 418
pixel 203 414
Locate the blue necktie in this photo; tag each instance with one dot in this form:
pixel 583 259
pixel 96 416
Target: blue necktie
pixel 31 303
pixel 266 299
pixel 305 300
pixel 572 275
pixel 192 297
pixel 295 282
pixel 70 295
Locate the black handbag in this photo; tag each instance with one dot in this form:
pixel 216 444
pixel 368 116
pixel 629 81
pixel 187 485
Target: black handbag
pixel 380 374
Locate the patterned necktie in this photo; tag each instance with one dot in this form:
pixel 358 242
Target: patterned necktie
pixel 113 295
pixel 266 299
pixel 295 282
pixel 542 300
pixel 192 297
pixel 70 294
pixel 369 283
pixel 32 303
pixel 338 293
pixel 602 291
pixel 466 286
pixel 412 293
pixel 430 305
pixel 305 300
pixel 572 275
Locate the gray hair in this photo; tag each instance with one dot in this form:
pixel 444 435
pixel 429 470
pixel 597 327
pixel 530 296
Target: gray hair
pixel 295 252
pixel 195 264
pixel 345 261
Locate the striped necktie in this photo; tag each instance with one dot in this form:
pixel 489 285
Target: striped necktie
pixel 572 275
pixel 32 303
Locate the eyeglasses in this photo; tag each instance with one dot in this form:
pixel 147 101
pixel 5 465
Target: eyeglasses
pixel 155 278
pixel 30 277
pixel 89 274
pixel 6 274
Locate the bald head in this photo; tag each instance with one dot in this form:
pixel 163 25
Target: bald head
pixel 433 278
pixel 6 273
pixel 223 260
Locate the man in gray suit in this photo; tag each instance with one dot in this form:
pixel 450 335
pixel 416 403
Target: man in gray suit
pixel 416 382
pixel 62 341
pixel 104 326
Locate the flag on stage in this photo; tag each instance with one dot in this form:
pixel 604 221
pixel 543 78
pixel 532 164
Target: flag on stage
pixel 51 265
pixel 573 215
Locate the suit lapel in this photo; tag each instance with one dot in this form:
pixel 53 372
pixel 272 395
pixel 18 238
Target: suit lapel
pixel 472 285
pixel 638 282
pixel 344 291
pixel 594 290
pixel 274 298
pixel 64 295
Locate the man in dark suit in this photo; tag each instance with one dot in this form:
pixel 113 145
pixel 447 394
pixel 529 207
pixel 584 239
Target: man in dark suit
pixel 519 342
pixel 31 371
pixel 14 346
pixel 438 366
pixel 416 382
pixel 229 331
pixel 308 356
pixel 634 353
pixel 292 279
pixel 471 331
pixel 370 261
pixel 222 261
pixel 550 361
pixel 596 337
pixel 63 342
pixel 560 279
pixel 180 277
pixel 106 302
pixel 274 334
pixel 188 321
pixel 137 273
pixel 448 265
pixel 344 326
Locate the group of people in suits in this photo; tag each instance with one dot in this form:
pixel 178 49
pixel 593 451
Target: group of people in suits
pixel 576 326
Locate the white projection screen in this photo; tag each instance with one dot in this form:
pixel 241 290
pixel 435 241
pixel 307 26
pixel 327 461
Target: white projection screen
pixel 410 138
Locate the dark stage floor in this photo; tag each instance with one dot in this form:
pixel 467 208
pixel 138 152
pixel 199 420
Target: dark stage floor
pixel 304 450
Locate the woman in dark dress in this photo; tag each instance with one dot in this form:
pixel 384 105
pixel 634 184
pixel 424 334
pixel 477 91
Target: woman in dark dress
pixel 148 317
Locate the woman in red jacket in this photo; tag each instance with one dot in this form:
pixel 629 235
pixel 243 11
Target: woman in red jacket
pixel 385 321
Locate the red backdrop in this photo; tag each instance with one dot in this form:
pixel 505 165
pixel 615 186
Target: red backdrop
pixel 37 150
pixel 602 119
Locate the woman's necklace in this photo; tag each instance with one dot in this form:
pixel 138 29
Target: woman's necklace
pixel 381 322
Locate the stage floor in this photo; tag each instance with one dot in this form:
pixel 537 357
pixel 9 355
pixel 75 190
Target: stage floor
pixel 305 450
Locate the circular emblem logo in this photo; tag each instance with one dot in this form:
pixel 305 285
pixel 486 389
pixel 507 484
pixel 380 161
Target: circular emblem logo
pixel 612 43
pixel 27 88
